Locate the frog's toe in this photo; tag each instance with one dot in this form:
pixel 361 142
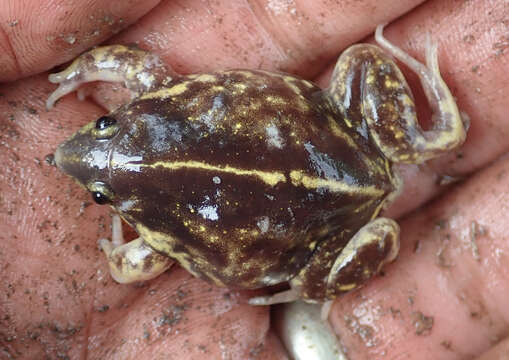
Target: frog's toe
pixel 377 241
pixel 117 236
pixel 67 83
pixel 278 298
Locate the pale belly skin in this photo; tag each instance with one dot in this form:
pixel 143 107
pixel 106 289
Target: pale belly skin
pixel 250 178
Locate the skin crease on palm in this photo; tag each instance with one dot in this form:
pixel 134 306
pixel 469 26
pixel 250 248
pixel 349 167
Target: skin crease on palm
pixel 444 297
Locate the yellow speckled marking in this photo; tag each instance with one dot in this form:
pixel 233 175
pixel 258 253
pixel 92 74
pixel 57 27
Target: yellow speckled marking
pixel 239 86
pixel 398 135
pixel 206 78
pixel 347 122
pixel 406 100
pixel 275 100
pixel 166 92
pixel 347 287
pixel 391 83
pixel 290 81
pixel 335 129
pixel 165 243
pixel 133 71
pixel 365 205
pixel 246 74
pixel 307 83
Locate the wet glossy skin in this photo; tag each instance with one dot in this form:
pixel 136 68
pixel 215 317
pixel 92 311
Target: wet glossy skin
pixel 211 167
pixel 250 178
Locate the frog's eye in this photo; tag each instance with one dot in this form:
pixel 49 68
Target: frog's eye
pixel 100 198
pixel 101 193
pixel 105 128
pixel 104 121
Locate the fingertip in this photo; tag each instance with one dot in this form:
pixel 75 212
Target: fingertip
pixel 36 44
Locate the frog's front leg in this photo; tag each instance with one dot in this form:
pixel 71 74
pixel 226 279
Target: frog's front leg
pixel 368 86
pixel 332 271
pixel 133 261
pixel 138 70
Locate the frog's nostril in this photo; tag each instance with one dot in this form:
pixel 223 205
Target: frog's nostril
pixel 50 159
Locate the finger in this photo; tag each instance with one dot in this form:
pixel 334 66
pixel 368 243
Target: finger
pixel 37 35
pixel 180 315
pixel 48 261
pixel 445 297
pixel 474 65
pixel 299 37
pixel 295 36
pixel 304 46
pixel 57 297
pixel 497 352
pixel 153 39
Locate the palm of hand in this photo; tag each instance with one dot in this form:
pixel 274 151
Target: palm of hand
pixel 57 298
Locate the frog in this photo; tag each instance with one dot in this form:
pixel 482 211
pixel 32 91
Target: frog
pixel 250 178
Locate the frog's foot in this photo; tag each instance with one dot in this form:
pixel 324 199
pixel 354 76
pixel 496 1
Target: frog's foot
pixel 138 70
pixel 133 261
pixel 374 245
pixel 447 131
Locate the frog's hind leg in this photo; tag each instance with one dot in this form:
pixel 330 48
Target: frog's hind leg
pixel 330 272
pixel 138 70
pixel 368 86
pixel 373 246
pixel 132 261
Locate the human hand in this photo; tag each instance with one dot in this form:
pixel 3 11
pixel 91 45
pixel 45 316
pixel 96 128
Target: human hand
pixel 57 298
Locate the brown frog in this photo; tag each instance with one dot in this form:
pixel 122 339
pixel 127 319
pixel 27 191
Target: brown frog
pixel 250 178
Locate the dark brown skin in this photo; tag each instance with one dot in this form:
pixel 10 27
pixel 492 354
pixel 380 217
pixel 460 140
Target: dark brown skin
pixel 224 244
pixel 46 285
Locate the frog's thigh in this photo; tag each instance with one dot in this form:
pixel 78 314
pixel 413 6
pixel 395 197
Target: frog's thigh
pixel 133 261
pixel 345 88
pixel 374 245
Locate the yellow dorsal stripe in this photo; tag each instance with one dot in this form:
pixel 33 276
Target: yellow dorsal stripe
pixel 310 182
pixel 270 178
pixel 298 177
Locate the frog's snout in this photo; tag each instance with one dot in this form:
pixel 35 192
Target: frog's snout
pixel 67 160
pixel 56 157
pixel 63 158
pixel 82 157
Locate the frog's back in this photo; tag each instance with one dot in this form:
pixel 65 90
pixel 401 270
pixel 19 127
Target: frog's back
pixel 242 173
